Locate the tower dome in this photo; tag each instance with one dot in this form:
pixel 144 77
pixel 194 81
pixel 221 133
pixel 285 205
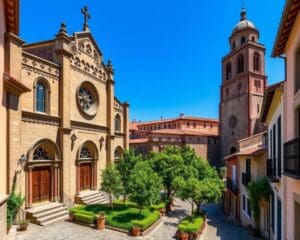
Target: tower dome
pixel 244 23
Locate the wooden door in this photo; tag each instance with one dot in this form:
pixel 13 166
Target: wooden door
pixel 41 184
pixel 85 176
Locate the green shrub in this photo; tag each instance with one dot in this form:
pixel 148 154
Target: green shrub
pixel 191 224
pixel 147 222
pixel 85 217
pixel 118 202
pixel 14 203
pixel 157 207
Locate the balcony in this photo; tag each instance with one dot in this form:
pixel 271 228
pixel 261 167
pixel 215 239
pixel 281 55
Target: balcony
pixel 246 178
pixel 292 158
pixel 232 186
pixel 271 170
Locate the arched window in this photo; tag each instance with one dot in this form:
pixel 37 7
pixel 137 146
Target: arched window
pixel 85 153
pixel 40 96
pixel 240 64
pixel 228 71
pixel 118 153
pixel 40 154
pixel 232 150
pixel 118 123
pixel 256 61
pixel 243 40
pixel 253 39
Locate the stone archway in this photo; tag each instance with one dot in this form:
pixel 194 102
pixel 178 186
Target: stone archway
pixel 42 172
pixel 86 167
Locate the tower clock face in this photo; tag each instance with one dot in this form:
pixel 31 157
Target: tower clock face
pixel 232 122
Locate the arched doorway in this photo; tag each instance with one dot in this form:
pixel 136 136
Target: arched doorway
pixel 86 167
pixel 42 173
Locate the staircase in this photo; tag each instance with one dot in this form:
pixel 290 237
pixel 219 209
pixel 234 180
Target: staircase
pixel 47 214
pixel 91 197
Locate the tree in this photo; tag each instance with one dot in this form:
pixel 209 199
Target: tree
pixel 144 185
pixel 167 164
pixel 125 167
pixel 197 191
pixel 258 190
pixel 111 183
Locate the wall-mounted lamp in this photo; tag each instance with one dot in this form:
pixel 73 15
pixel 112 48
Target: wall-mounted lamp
pixel 22 161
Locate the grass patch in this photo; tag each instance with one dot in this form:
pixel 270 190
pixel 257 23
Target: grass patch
pixel 121 216
pixel 191 224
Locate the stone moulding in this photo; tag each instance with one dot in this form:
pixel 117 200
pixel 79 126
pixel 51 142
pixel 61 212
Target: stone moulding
pixel 40 118
pixel 88 127
pixel 88 74
pixel 43 67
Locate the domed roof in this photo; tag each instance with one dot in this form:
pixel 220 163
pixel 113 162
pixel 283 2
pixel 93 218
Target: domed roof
pixel 244 23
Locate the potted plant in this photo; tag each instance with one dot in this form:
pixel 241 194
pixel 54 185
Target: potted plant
pixel 8 227
pixel 184 236
pixel 136 231
pixel 71 216
pixel 23 224
pixel 162 212
pixel 101 220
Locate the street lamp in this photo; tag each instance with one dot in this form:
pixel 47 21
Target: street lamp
pixel 22 161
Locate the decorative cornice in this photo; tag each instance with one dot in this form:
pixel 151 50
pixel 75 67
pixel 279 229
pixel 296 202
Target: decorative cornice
pixel 88 127
pixel 40 118
pixel 119 134
pixel 43 67
pixel 14 86
pixel 75 68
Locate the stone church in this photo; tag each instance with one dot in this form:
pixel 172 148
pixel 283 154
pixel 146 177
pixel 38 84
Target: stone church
pixel 64 123
pixel 242 88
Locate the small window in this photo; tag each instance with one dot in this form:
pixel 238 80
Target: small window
pixel 195 125
pixel 232 150
pixel 253 39
pixel 188 124
pixel 256 61
pixel 227 92
pixel 204 125
pixel 243 40
pixel 118 123
pixel 228 71
pixel 211 126
pixel 208 141
pixel 257 84
pixel 215 141
pixel 258 108
pixel 233 45
pixel 240 64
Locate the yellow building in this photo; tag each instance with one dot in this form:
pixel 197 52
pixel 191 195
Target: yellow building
pixel 64 121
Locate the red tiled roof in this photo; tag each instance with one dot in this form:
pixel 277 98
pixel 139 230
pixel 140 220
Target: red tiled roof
pixel 178 118
pixel 177 131
pixel 133 126
pixel 254 151
pixel 139 140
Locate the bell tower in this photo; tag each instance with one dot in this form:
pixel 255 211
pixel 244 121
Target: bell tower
pixel 242 88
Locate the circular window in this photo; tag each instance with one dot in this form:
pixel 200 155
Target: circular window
pixel 87 99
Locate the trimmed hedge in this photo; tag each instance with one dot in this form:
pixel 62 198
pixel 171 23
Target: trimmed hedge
pixel 85 217
pixel 157 207
pixel 191 224
pixel 147 222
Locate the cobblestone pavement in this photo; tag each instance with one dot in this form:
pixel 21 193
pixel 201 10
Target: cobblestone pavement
pixel 218 228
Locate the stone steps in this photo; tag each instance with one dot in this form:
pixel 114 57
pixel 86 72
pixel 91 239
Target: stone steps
pixel 47 214
pixel 91 197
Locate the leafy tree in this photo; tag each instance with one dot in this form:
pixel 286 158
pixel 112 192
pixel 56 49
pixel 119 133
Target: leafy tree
pixel 111 183
pixel 14 203
pixel 167 164
pixel 197 191
pixel 144 185
pixel 258 190
pixel 125 167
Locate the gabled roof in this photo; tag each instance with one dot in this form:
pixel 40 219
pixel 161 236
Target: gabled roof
pixel 290 12
pixel 90 36
pixel 268 98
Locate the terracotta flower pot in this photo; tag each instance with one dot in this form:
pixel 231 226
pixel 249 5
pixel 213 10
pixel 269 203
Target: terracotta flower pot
pixel 23 226
pixel 184 236
pixel 162 212
pixel 8 229
pixel 101 222
pixel 136 231
pixel 71 217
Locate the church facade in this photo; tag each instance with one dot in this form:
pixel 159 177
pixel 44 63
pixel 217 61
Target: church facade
pixel 64 123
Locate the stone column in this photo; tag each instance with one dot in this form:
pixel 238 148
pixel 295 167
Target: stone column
pixel 29 203
pixel 52 182
pixel 77 179
pixel 95 176
pixel 126 125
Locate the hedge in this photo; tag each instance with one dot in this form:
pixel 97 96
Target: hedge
pixel 157 207
pixel 147 222
pixel 85 217
pixel 191 224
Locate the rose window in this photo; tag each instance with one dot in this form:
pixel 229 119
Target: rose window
pixel 87 99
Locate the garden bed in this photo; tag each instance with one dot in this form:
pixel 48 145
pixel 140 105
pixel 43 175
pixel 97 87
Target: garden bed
pixel 121 217
pixel 191 227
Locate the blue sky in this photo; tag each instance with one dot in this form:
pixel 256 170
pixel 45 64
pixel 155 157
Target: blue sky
pixel 166 53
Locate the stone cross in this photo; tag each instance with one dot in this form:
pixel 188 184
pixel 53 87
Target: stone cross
pixel 87 16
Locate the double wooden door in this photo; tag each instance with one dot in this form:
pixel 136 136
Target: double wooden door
pixel 41 184
pixel 85 176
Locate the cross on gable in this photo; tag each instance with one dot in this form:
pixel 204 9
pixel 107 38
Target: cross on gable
pixel 87 16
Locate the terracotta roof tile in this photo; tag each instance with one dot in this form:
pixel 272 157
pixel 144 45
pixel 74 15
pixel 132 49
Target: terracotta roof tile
pixel 139 140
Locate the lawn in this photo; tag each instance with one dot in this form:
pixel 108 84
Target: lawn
pixel 121 216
